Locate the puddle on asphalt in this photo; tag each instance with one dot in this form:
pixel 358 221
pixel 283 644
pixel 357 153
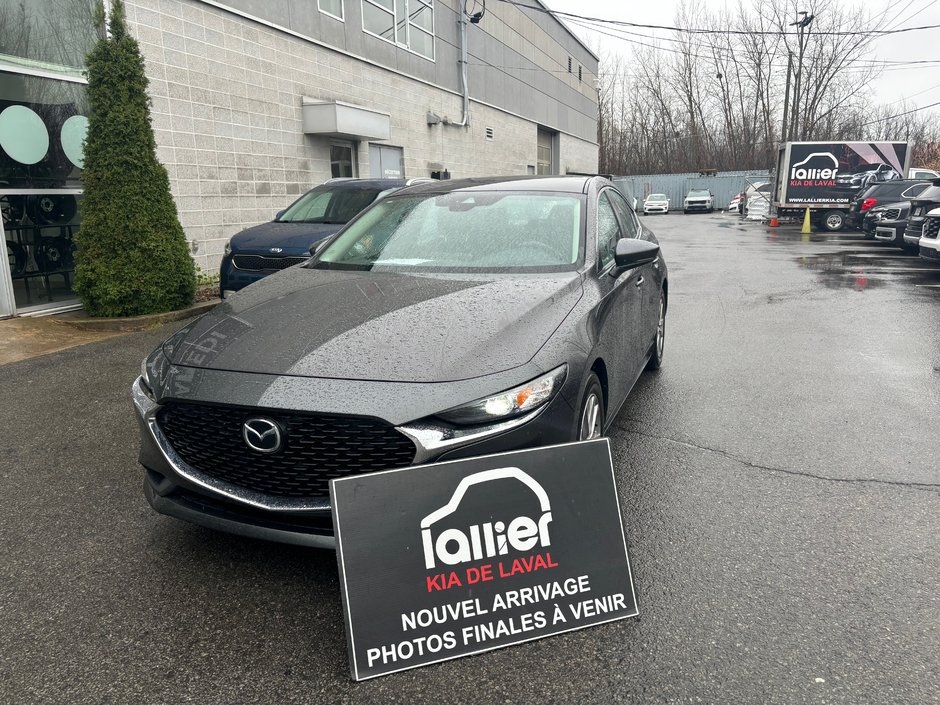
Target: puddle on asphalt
pixel 868 270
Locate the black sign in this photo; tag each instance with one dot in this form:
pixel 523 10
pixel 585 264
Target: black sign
pixel 451 559
pixel 819 172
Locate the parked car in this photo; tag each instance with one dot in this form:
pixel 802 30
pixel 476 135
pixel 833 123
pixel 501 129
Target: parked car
pixel 261 250
pixel 452 319
pixel 926 201
pixel 888 223
pixel 866 174
pixel 656 203
pixel 930 236
pixel 890 191
pixel 699 200
pixel 921 173
pixel 735 205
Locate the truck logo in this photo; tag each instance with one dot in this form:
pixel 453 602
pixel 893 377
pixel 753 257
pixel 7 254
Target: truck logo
pixel 796 172
pixel 489 539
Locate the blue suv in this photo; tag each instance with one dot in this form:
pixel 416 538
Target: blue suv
pixel 264 249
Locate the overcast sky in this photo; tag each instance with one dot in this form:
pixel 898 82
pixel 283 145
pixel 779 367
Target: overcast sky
pixel 893 86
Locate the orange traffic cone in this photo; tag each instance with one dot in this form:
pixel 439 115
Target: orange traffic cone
pixel 774 222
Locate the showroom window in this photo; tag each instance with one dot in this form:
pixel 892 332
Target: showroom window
pixel 48 36
pixel 42 130
pixel 334 8
pixel 407 23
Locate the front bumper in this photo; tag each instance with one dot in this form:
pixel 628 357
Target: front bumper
pixel 930 248
pixel 176 489
pixel 698 207
pixel 647 210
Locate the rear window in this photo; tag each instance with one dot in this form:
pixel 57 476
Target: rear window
pixel 894 190
pixel 329 204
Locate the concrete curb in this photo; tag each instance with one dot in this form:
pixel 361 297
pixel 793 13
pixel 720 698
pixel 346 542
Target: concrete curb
pixel 136 323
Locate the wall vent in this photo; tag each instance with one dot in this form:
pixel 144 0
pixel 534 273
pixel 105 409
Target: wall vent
pixel 490 133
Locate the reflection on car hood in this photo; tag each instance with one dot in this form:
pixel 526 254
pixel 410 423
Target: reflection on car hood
pixel 379 326
pixel 293 238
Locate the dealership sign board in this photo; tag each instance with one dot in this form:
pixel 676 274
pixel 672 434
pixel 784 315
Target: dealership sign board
pixel 833 172
pixel 452 559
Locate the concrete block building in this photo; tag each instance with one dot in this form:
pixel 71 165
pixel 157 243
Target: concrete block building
pixel 256 101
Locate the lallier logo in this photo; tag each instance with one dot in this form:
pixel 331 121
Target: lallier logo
pixel 446 555
pixel 818 169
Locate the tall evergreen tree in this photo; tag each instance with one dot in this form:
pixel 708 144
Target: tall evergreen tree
pixel 132 256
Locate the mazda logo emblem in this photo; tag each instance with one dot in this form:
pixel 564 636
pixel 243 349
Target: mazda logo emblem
pixel 262 435
pixel 276 249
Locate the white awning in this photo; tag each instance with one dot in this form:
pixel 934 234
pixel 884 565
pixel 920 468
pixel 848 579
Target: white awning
pixel 336 119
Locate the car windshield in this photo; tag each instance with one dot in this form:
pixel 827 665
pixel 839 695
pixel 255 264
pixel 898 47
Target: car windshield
pixel 475 231
pixel 328 204
pixel 699 193
pixel 656 197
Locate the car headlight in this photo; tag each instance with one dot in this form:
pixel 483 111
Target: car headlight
pixel 228 247
pixel 513 402
pixel 145 378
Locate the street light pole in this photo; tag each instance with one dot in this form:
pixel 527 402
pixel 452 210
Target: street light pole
pixel 786 99
pixel 801 24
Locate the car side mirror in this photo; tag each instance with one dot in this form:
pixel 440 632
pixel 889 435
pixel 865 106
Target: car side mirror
pixel 634 253
pixel 317 246
pixel 277 216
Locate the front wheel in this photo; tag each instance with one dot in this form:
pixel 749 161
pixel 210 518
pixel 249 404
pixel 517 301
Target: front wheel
pixel 591 416
pixel 833 221
pixel 659 343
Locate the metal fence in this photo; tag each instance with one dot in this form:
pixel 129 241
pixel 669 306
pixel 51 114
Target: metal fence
pixel 677 186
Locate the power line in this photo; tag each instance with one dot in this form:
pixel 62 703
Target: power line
pixel 689 30
pixel 897 115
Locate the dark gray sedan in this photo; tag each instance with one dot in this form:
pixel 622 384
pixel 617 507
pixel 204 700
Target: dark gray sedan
pixel 448 320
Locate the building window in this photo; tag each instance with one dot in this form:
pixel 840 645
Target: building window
pixel 334 8
pixel 407 23
pixel 342 160
pixel 50 36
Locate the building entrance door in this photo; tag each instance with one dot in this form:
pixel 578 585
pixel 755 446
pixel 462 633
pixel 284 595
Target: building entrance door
pixel 386 162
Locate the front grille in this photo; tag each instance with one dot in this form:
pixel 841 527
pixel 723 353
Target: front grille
pixel 892 214
pixel 317 449
pixel 256 263
pixel 931 228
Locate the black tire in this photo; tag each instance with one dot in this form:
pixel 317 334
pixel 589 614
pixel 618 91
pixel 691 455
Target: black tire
pixel 909 249
pixel 659 340
pixel 55 254
pixel 592 401
pixel 833 221
pixel 685 211
pixel 17 257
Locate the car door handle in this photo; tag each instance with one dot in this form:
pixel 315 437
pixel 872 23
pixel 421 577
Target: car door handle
pixel 639 281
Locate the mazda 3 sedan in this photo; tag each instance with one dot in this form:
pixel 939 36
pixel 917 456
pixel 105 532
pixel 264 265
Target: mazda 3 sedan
pixel 447 320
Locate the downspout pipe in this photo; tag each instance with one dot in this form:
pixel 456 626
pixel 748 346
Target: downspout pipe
pixel 462 66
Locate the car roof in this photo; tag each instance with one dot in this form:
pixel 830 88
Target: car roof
pixel 563 184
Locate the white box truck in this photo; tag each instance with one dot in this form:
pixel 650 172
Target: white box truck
pixel 824 176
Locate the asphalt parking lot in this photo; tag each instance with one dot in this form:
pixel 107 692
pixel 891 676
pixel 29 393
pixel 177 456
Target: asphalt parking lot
pixel 779 480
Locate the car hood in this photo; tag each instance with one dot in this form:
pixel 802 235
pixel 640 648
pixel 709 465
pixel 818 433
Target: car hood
pixel 293 238
pixel 379 326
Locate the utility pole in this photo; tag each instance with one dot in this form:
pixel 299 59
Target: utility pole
pixel 784 137
pixel 801 24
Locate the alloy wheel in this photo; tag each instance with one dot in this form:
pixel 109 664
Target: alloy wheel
pixel 591 419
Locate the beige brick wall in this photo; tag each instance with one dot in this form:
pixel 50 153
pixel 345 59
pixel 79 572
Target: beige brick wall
pixel 227 118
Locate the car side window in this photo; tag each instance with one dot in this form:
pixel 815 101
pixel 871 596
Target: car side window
pixel 627 216
pixel 608 231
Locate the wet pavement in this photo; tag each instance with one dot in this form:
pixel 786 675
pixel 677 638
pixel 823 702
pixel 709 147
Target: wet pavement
pixel 23 338
pixel 779 478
